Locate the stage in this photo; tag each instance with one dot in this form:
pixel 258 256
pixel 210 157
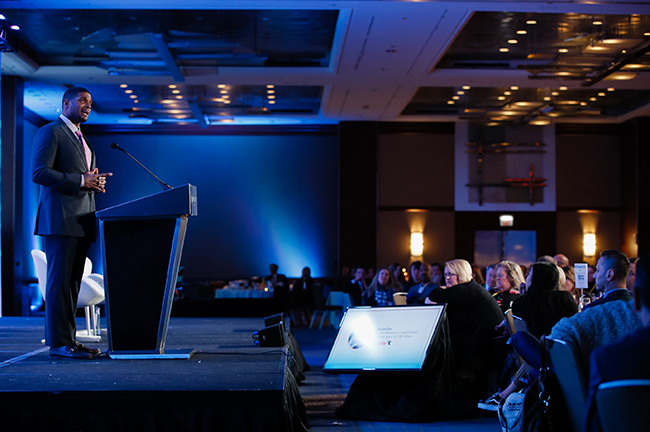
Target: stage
pixel 227 385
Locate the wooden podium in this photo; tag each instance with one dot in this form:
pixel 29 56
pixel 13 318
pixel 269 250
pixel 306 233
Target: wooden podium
pixel 142 243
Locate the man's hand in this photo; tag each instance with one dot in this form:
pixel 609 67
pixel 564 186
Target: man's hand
pixel 95 180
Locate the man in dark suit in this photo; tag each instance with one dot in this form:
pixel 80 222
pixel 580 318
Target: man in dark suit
pixel 63 164
pixel 611 274
pixel 627 359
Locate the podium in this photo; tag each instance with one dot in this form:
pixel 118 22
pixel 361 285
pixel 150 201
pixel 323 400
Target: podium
pixel 142 242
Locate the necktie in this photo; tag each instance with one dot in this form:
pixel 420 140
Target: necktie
pixel 89 156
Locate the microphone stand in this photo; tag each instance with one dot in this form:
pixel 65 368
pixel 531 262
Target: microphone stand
pixel 160 182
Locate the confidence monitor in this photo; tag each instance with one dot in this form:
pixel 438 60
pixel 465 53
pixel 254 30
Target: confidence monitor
pixel 394 338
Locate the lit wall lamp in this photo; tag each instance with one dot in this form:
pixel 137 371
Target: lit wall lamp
pixel 417 244
pixel 589 244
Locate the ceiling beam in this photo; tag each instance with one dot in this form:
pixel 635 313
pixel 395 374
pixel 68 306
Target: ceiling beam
pixel 168 58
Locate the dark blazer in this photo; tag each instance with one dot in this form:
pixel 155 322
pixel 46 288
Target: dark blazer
pixel 58 164
pixel 627 359
pixel 619 294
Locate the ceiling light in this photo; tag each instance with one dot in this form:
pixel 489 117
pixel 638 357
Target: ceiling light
pixel 501 98
pixel 176 91
pixel 504 50
pixel 450 102
pixel 507 93
pixel 129 91
pixel 514 88
pixel 133 96
pixel 466 87
pixel 597 22
pixel 271 96
pixel 270 91
pixel 124 85
pixel 513 41
pixel 14 27
pixel 564 88
pixel 172 86
pixel 226 101
pixel 521 32
pixel 135 101
pixel 547 98
pixel 555 93
pixel 179 97
pixel 621 76
pixel 593 99
pixel 460 92
pixel 270 86
pixel 583 103
pixel 221 86
pixel 540 122
pixel 611 89
pixel 2 17
pixel 563 50
pixel 531 22
pixel 271 101
pixel 223 91
pixel 633 66
pixel 601 94
pixel 646 34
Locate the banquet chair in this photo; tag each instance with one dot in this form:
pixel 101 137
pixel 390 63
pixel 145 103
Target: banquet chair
pixel 623 405
pixel 399 298
pixel 566 365
pixel 91 295
pixel 321 307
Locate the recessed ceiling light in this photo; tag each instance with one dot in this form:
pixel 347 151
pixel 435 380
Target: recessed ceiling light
pixel 601 94
pixel 555 93
pixel 271 96
pixel 513 41
pixel 223 91
pixel 522 32
pixel 610 89
pixel 179 97
pixel 507 93
pixel 450 102
pixel 583 103
pixel 501 98
pixel 270 91
pixel 597 22
pixel 455 97
pixel 221 86
pixel 271 102
pixel 129 91
pixel 172 86
pixel 460 92
pixel 547 98
pixel 563 50
pixel 133 96
pixel 466 87
pixel 564 88
pixel 531 22
pixel 593 99
pixel 514 88
pixel 270 86
pixel 176 91
pixel 124 85
pixel 504 50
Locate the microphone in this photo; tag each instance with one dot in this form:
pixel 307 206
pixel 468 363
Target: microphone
pixel 160 182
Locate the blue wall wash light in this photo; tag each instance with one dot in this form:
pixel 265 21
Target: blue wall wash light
pixel 261 199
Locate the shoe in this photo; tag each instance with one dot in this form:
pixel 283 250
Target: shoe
pixel 491 404
pixel 69 352
pixel 84 348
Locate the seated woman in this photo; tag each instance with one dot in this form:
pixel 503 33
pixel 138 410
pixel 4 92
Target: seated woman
pixel 543 305
pixel 509 279
pixel 470 310
pixel 381 289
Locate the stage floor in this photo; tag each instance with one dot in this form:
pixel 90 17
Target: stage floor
pixel 228 384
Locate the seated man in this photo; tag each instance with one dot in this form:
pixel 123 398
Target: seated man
pixel 626 359
pixel 612 270
pixel 417 293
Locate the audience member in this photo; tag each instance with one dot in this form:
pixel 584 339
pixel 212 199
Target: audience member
pixel 491 278
pixel 370 274
pixel 414 275
pixel 342 279
pixel 472 314
pixel 541 307
pixel 570 283
pixel 381 289
pixel 419 292
pixel 631 278
pixel 477 275
pixel 612 270
pixel 547 258
pixel 509 279
pixel 561 260
pixel 397 273
pixel 357 286
pixel 627 359
pixel 437 273
pixel 280 286
pixel 302 298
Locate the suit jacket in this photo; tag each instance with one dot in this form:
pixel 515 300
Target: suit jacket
pixel 627 359
pixel 619 294
pixel 58 164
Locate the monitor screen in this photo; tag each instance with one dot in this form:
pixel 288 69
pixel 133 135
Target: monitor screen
pixel 384 338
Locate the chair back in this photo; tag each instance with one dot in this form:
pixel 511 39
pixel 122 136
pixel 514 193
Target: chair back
pixel 623 405
pixel 399 298
pixel 92 290
pixel 566 365
pixel 40 265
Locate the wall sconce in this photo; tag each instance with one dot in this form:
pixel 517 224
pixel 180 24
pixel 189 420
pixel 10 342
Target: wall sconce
pixel 589 244
pixel 417 244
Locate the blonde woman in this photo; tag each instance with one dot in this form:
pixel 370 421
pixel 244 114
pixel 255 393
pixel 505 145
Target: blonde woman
pixel 509 279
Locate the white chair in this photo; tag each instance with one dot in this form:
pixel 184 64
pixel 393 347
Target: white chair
pixel 399 298
pixel 91 295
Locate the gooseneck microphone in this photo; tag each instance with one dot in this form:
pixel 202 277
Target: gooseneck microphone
pixel 160 182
